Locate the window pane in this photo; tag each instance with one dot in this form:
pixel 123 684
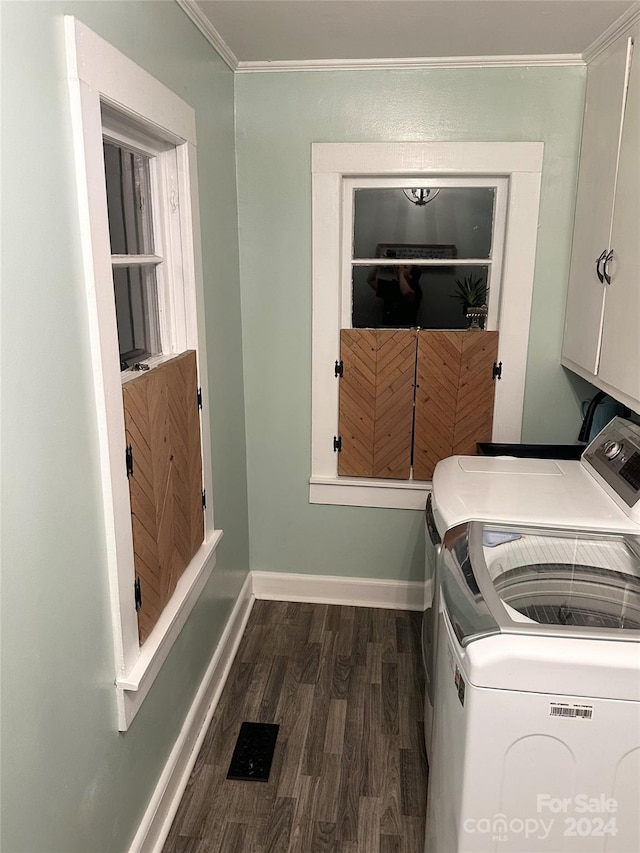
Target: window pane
pixel 430 297
pixel 136 312
pixel 457 219
pixel 128 200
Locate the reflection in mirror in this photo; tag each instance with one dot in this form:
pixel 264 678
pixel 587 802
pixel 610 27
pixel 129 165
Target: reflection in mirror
pixel 411 295
pixel 460 216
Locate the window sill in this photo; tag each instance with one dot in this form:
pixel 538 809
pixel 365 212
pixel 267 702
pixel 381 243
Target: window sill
pixel 355 491
pixel 133 687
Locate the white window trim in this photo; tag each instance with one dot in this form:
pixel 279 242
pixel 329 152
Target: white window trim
pixel 100 74
pixel 332 164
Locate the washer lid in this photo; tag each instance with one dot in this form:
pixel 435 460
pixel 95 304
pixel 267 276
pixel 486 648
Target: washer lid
pixel 520 580
pixel 546 492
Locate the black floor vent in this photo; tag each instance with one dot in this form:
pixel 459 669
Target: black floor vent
pixel 253 753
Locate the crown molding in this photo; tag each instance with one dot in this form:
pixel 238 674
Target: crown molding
pixel 191 8
pixel 411 63
pixel 624 22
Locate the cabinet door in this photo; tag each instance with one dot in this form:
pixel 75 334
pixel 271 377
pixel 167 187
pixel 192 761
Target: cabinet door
pixel 620 355
pixel 376 402
pixel 594 205
pixel 162 426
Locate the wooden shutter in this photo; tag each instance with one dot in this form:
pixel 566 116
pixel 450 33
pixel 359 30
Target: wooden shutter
pixel 162 425
pixel 454 397
pixel 376 402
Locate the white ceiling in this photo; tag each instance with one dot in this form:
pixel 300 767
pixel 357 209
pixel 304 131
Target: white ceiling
pixel 311 30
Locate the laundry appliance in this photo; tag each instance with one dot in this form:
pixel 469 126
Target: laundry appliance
pixel 533 653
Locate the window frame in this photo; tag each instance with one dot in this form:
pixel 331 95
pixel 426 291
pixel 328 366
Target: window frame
pixel 154 259
pixel 100 78
pixel 333 164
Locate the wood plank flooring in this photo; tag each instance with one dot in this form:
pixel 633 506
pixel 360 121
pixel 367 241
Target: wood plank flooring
pixel 349 773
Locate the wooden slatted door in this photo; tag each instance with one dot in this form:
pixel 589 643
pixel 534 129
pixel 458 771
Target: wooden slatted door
pixel 162 426
pixel 454 396
pixel 376 402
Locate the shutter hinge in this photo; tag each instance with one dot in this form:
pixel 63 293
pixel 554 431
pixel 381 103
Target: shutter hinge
pixel 339 369
pixel 137 594
pixel 129 460
pixel 497 370
pixel 337 443
pixel 200 398
pixel 204 499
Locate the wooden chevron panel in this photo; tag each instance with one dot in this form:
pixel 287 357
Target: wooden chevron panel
pixel 162 425
pixel 476 392
pixel 395 379
pixel 455 395
pixel 143 503
pixel 376 402
pixel 357 405
pixel 436 397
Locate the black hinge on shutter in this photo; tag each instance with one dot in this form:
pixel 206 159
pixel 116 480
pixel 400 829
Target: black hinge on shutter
pixel 200 398
pixel 129 460
pixel 204 499
pixel 497 370
pixel 137 594
pixel 339 369
pixel 337 443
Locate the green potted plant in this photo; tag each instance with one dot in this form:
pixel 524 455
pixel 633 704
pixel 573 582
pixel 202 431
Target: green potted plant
pixel 471 292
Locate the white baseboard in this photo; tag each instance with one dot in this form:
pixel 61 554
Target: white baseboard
pixel 320 589
pixel 158 817
pixel 330 589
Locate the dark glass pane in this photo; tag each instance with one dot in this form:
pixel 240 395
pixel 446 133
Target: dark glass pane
pixel 430 297
pixel 128 201
pixel 456 223
pixel 136 312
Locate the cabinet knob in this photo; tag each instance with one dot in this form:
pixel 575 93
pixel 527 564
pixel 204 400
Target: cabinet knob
pixel 598 262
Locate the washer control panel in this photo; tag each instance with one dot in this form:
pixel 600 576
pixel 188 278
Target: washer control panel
pixel 615 455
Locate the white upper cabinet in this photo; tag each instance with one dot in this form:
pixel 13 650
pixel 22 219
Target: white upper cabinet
pixel 602 325
pixel 620 351
pixel 603 120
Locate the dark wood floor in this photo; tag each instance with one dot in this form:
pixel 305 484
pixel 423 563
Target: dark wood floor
pixel 349 772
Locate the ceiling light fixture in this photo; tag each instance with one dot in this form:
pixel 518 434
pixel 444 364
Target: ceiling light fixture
pixel 420 196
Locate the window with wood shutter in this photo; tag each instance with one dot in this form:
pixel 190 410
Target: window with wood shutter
pixel 427 206
pixel 162 426
pixel 136 167
pixel 409 398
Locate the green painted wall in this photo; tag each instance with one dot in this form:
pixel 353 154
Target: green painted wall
pixel 70 782
pixel 278 117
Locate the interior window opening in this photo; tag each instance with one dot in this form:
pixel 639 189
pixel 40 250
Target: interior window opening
pixel 421 257
pixel 133 251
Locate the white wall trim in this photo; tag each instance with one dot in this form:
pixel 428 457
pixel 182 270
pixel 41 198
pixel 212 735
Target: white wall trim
pixel 548 60
pixel 191 8
pixel 408 63
pixel 158 817
pixel 354 491
pixel 604 41
pixel 279 586
pixel 332 589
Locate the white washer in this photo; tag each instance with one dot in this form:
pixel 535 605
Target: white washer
pixel 536 664
pixel 555 493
